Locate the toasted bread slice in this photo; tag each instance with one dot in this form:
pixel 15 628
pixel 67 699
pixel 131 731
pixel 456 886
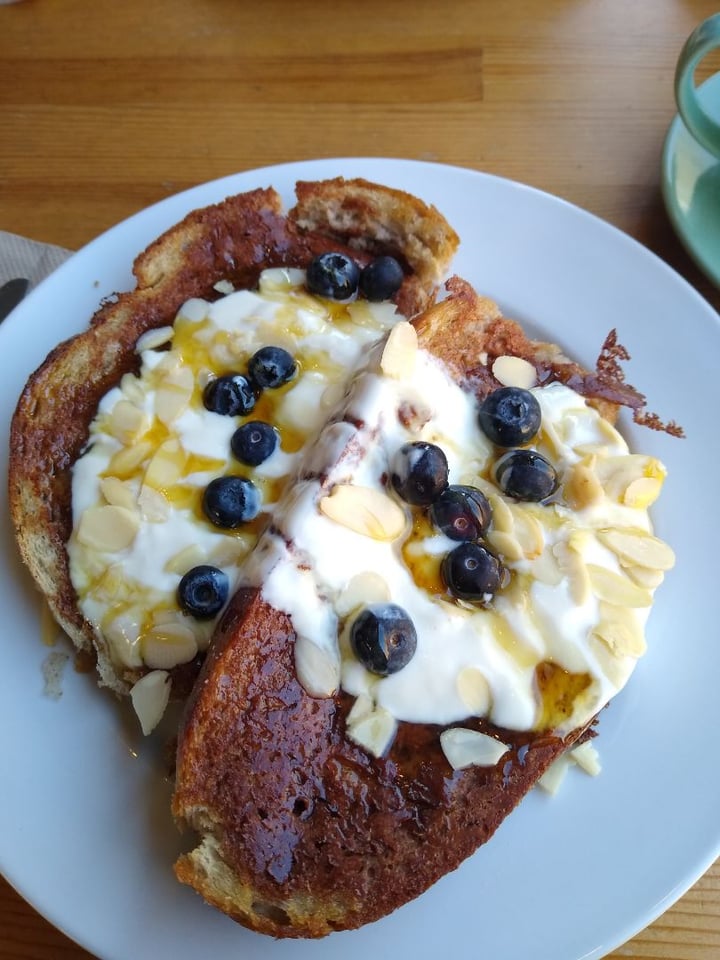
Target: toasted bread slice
pixel 303 831
pixel 230 241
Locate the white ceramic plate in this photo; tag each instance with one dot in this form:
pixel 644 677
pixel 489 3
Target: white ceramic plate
pixel 86 833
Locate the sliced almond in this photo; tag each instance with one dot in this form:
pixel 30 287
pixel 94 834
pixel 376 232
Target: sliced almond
pixel 506 544
pixel 616 588
pixel 126 462
pixel 123 633
pixel 280 279
pixel 365 510
pixel 617 474
pixel 118 493
pixel 553 777
pixel 150 696
pixel 644 577
pixel 173 394
pixel 502 516
pixel 362 707
pixel 317 669
pixel 546 570
pixel 474 691
pixel 166 645
pixel 582 487
pixel 374 731
pixel 127 423
pixel 224 287
pixel 638 548
pixel 642 493
pixel 229 551
pixel 153 339
pixel 166 467
pixel 108 529
pixel 132 389
pixel 529 533
pixel 185 559
pixel 572 565
pixel 363 588
pixel 470 748
pixel 621 638
pixel 587 758
pixel 514 372
pixel 154 505
pixel 400 352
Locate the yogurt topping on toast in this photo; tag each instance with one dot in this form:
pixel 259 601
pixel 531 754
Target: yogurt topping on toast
pixel 557 641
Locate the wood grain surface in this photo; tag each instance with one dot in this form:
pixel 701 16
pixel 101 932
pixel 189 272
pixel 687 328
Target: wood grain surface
pixel 110 105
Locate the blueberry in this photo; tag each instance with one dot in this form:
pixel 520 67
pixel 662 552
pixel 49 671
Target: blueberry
pixel 381 278
pixel 231 395
pixel 230 501
pixel 202 592
pixel 334 276
pixel 419 472
pixel 254 442
pixel 461 512
pixel 471 572
pixel 383 638
pixel 509 416
pixel 526 475
pixel 271 367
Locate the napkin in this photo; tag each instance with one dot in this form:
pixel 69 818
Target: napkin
pixel 21 257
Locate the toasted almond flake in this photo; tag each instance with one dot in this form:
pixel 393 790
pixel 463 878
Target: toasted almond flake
pixel 125 462
pixel 505 544
pixel 154 339
pixel 317 670
pixel 150 696
pixel 187 558
pixel 470 748
pixel 224 287
pixel 644 577
pixel 587 758
pixel 167 645
pixel 553 777
pixel 616 588
pixel 514 372
pixel 118 493
pixel 363 588
pixel 374 731
pixel 127 423
pixel 638 548
pixel 400 352
pixel 108 529
pixel 112 585
pixel 642 493
pixel 474 691
pixel 618 473
pixel 365 510
pixel 582 487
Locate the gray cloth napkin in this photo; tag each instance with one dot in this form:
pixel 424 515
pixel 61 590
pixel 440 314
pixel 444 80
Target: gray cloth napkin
pixel 20 257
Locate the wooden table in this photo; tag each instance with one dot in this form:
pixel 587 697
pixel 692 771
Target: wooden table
pixel 107 106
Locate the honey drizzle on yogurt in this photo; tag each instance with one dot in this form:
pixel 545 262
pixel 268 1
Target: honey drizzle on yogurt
pixel 169 461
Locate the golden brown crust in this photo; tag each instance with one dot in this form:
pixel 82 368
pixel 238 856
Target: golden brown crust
pixel 304 832
pixel 233 240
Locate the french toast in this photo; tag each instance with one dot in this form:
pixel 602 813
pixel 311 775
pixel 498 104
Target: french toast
pixel 231 243
pixel 309 824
